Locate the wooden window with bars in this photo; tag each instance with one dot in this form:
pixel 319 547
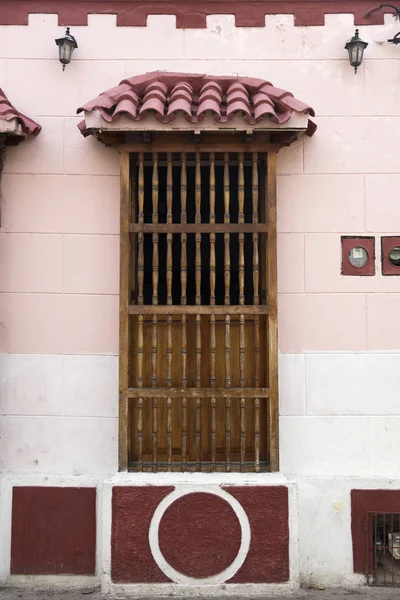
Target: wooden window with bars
pixel 198 310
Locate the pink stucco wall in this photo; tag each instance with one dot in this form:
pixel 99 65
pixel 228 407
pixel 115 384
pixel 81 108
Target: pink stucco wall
pixel 60 220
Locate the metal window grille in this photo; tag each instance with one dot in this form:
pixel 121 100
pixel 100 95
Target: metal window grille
pixel 383 549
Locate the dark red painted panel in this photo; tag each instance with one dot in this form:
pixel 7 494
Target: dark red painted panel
pixel 53 531
pixel 211 523
pixel 267 509
pixel 191 13
pixel 388 243
pixel 199 535
pixel 368 243
pixel 132 511
pixel 361 502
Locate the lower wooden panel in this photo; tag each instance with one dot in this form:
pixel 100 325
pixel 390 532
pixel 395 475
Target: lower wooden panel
pixel 206 415
pixel 234 419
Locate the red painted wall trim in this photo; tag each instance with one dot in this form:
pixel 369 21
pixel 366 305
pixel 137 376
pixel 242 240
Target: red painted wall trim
pixel 191 13
pixel 388 243
pixel 366 242
pixel 53 531
pixel 361 502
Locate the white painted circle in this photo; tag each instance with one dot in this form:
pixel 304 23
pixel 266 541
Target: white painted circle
pixel 175 575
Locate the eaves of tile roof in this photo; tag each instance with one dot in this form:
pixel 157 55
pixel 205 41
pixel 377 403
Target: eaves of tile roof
pixel 166 95
pixel 26 126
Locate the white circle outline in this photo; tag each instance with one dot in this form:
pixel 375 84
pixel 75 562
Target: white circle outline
pixel 175 575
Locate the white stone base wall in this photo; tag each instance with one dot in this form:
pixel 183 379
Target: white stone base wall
pixel 320 531
pixel 340 414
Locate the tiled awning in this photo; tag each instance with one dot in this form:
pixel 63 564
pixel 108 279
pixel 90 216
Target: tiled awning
pixel 14 126
pixel 172 101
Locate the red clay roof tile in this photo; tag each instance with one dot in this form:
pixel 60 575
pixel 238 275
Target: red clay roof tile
pixel 167 94
pixel 9 112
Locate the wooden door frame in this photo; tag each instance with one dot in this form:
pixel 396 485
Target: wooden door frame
pixel 270 200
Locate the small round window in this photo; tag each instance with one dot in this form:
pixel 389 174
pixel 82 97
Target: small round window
pixel 358 257
pixel 394 256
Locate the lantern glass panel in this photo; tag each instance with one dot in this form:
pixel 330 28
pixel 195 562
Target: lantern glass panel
pixel 67 49
pixel 356 53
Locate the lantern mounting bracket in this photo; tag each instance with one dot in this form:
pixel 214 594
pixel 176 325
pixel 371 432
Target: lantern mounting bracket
pixel 395 39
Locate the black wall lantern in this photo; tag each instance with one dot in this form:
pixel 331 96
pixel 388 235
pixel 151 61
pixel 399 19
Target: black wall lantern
pixel 66 46
pixel 356 48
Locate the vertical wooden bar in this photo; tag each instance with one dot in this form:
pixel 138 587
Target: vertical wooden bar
pixel 184 399
pixel 183 235
pixel 140 235
pixel 228 385
pixel 256 301
pixel 241 235
pixel 140 267
pixel 256 259
pixel 227 301
pixel 140 399
pixel 124 293
pixel 133 236
pixel 155 434
pixel 212 235
pixel 155 276
pixel 198 302
pixel 272 296
pixel 169 222
pixel 241 318
pixel 183 303
pixel 198 384
pixel 198 235
pixel 242 385
pixel 227 258
pixel 169 317
pixel 228 434
pixel 213 347
pixel 169 434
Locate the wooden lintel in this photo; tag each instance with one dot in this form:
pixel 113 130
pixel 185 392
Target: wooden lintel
pixel 147 137
pixel 194 141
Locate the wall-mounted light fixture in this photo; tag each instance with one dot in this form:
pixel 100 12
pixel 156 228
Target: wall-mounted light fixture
pixel 355 48
pixel 66 46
